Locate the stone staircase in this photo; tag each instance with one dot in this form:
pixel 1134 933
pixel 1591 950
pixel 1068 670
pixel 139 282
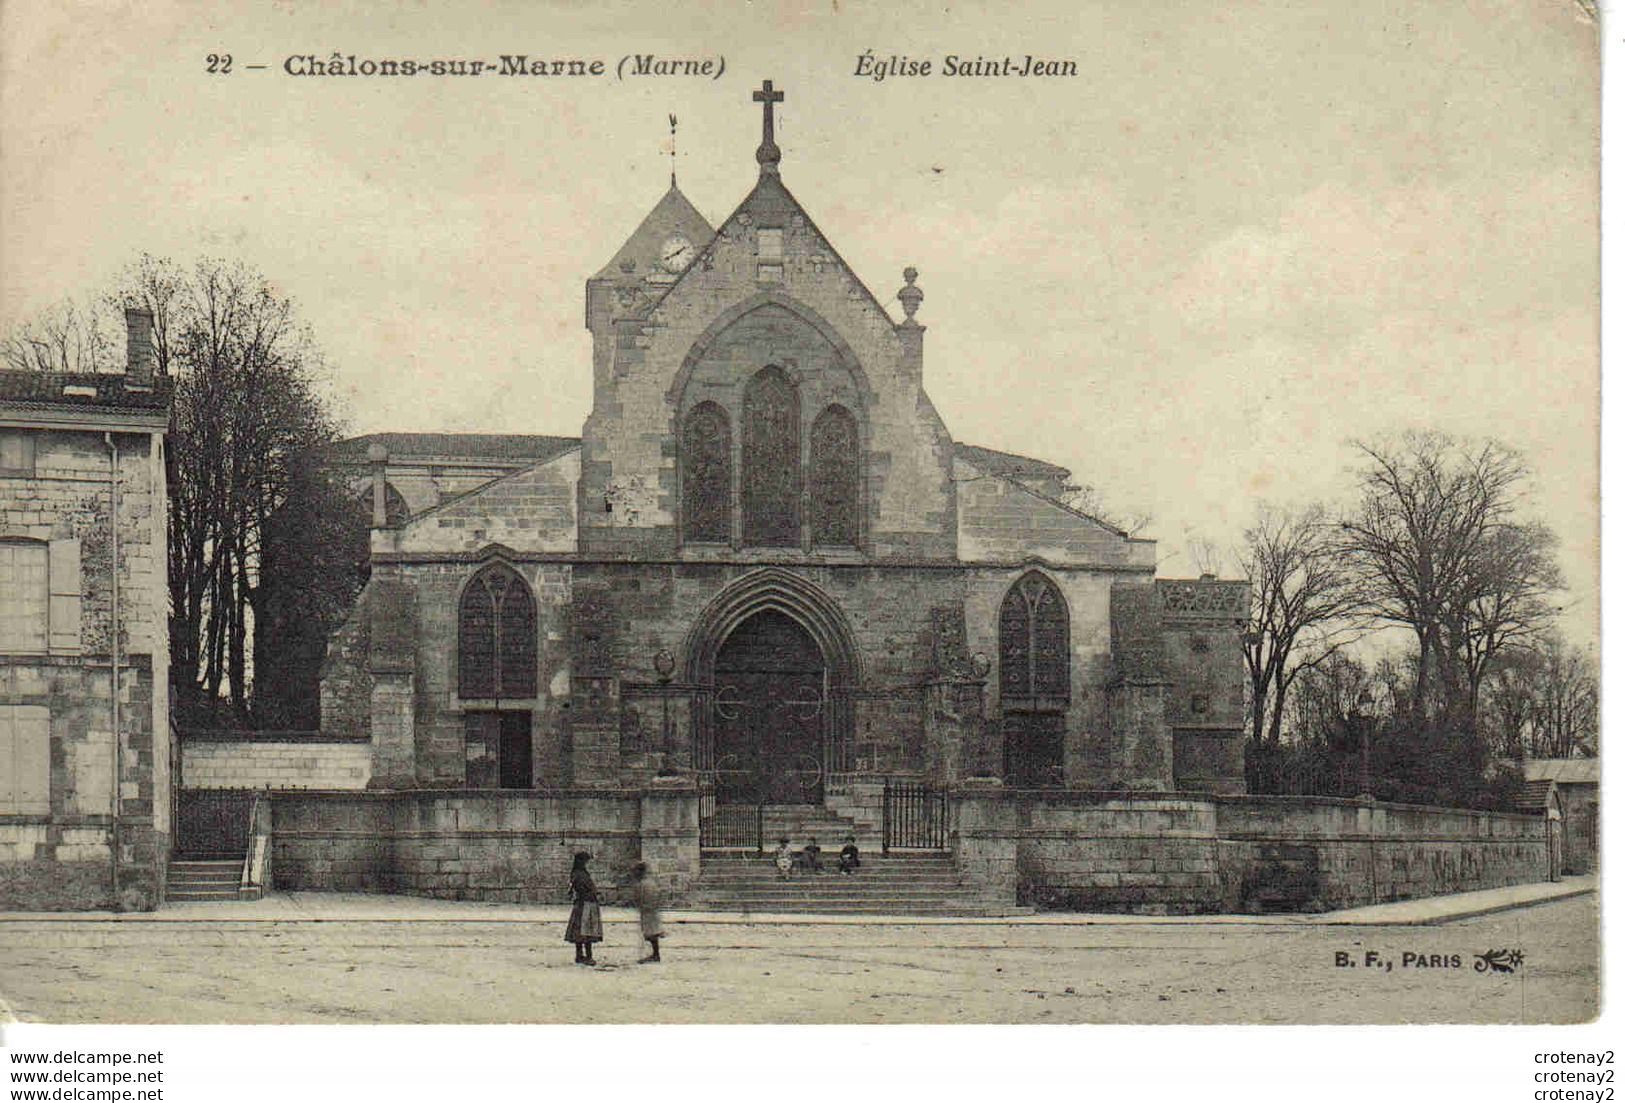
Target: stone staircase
pixel 922 883
pixel 207 879
pixel 801 822
pixel 902 883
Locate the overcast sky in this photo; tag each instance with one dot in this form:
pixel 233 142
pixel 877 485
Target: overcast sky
pixel 1240 236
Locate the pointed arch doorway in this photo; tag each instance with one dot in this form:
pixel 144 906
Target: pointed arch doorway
pixel 770 708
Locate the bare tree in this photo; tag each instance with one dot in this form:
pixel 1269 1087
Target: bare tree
pixel 1436 548
pixel 1505 603
pixel 1541 701
pixel 246 413
pixel 65 338
pixel 247 426
pixel 1302 608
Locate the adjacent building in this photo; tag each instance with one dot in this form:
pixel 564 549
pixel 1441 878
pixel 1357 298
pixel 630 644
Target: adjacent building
pixel 84 713
pixel 1570 788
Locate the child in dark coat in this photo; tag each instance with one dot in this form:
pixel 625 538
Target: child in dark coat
pixel 849 855
pixel 809 856
pixel 586 924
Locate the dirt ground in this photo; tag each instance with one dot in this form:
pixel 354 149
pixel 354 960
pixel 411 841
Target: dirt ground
pixel 484 972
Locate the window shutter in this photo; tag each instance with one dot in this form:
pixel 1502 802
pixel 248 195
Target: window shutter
pixel 17 452
pixel 8 758
pixel 25 752
pixel 66 588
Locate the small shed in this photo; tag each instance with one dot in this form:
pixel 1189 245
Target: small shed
pixel 1573 784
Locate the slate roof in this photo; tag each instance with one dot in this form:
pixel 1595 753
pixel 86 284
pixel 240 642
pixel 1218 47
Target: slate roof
pixel 1564 771
pixel 42 390
pixel 471 446
pixel 673 214
pixel 1533 796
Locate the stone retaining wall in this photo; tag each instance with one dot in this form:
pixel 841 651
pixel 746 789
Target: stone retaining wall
pixel 1162 854
pixel 1065 850
pixel 1102 852
pixel 1320 854
pixel 482 845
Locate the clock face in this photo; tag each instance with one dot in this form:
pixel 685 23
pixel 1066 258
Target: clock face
pixel 676 253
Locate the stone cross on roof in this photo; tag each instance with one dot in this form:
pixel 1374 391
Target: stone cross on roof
pixel 767 154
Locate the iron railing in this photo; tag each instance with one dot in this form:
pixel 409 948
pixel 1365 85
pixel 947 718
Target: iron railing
pixel 914 816
pixel 732 827
pixel 213 823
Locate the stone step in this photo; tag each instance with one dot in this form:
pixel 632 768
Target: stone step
pixel 869 871
pixel 870 857
pixel 796 907
pixel 204 886
pixel 879 902
pixel 177 895
pixel 735 872
pixel 192 879
pixel 858 882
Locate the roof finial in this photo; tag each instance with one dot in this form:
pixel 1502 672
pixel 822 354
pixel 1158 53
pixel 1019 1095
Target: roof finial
pixel 673 119
pixel 767 154
pixel 910 296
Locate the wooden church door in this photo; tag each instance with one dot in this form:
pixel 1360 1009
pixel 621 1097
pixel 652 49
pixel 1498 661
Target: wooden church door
pixel 769 709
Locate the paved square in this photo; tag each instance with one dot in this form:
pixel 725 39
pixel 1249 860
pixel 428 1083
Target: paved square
pixel 222 971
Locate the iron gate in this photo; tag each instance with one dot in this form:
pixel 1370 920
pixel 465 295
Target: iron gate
pixel 213 823
pixel 732 827
pixel 914 816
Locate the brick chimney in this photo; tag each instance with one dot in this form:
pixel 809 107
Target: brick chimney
pixel 138 364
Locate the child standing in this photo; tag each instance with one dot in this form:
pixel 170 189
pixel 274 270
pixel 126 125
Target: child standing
pixel 586 924
pixel 647 901
pixel 784 858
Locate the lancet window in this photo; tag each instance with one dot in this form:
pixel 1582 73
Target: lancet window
pixel 496 637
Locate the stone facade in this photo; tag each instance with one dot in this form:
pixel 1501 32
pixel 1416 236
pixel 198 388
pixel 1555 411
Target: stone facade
pixel 905 608
pixel 83 637
pixel 704 600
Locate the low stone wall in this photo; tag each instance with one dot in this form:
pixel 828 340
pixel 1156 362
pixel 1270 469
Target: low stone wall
pixel 65 866
pixel 1086 851
pixel 1057 849
pixel 1320 854
pixel 502 845
pixel 44 867
pixel 1164 854
pixel 325 763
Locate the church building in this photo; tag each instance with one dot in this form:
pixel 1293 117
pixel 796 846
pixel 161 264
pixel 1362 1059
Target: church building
pixel 766 592
pixel 766 565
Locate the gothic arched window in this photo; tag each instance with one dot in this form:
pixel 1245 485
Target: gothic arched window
pixel 770 479
pixel 496 637
pixel 834 475
pixel 1033 641
pixel 707 450
pixel 1034 681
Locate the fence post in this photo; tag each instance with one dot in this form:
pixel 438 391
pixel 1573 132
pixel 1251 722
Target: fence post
pixel 885 819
